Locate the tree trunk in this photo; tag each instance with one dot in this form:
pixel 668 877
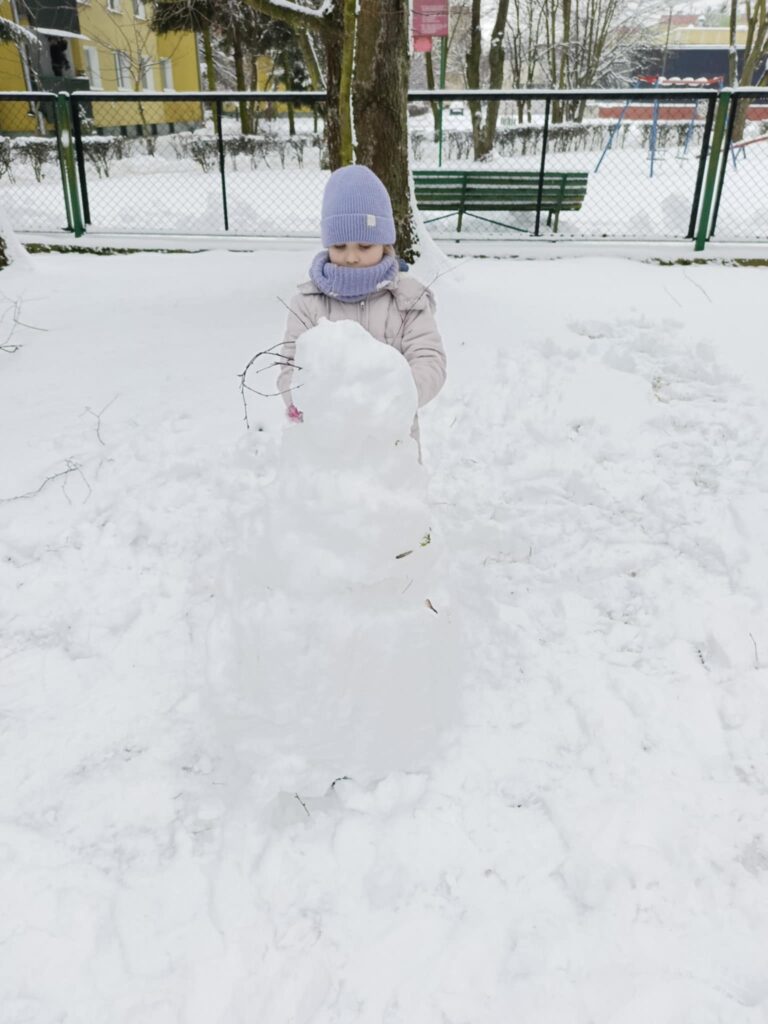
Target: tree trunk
pixel 332 35
pixel 348 73
pixel 558 107
pixel 733 56
pixel 310 59
pixel 246 123
pixel 379 94
pixel 496 68
pixel 484 131
pixel 431 86
pixel 381 107
pixel 4 261
pixel 210 70
pixel 253 106
pixel 472 66
pixel 754 52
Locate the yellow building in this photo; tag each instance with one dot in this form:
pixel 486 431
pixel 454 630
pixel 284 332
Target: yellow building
pixel 101 46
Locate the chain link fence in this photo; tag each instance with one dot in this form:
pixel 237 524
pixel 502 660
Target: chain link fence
pixel 622 164
pixel 741 204
pixel 625 165
pixel 165 164
pixel 32 187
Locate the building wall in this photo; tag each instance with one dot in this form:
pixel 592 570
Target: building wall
pixel 149 63
pixel 14 117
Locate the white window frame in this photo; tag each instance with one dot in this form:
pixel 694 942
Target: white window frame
pixel 93 67
pixel 166 73
pixel 140 10
pixel 147 75
pixel 114 6
pixel 123 71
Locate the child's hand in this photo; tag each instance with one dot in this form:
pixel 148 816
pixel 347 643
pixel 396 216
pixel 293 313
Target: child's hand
pixel 294 415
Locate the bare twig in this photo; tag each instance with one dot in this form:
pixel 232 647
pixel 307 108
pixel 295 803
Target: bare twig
pixel 76 468
pixel 98 416
pixel 757 656
pixel 15 309
pixel 303 805
pixel 696 284
pixel 71 467
pixel 277 360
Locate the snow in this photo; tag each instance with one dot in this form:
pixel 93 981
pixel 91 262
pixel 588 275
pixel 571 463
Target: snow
pixel 584 839
pixel 14 250
pixel 166 193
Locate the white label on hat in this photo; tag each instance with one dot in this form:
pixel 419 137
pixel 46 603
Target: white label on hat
pixel 371 220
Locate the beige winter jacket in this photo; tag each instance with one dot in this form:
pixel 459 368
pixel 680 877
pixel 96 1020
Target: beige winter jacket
pixel 400 314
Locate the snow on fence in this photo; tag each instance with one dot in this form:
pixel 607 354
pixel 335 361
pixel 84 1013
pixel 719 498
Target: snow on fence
pixel 168 165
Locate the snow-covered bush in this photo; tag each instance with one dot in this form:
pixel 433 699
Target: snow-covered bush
pixel 102 150
pixel 6 154
pixel 36 152
pixel 203 148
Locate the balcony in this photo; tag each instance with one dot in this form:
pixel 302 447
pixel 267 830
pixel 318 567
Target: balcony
pixel 59 83
pixel 58 15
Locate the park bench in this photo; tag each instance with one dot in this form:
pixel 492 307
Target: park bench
pixel 478 193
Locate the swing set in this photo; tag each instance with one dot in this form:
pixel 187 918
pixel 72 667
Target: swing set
pixel 645 84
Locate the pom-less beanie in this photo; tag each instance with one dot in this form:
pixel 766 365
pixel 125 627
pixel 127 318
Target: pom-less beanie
pixel 356 208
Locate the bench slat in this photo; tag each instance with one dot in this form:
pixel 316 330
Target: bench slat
pixel 502 191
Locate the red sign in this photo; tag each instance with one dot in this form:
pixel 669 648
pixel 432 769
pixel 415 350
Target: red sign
pixel 430 18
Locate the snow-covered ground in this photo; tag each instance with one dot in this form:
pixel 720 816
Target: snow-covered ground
pixel 588 846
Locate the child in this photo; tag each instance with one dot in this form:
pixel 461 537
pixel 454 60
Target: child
pixel 357 277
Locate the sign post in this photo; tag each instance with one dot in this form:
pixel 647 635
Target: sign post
pixel 430 20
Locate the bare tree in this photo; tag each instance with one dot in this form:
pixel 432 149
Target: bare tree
pixel 484 129
pixel 755 53
pixel 523 39
pixel 590 43
pixel 365 49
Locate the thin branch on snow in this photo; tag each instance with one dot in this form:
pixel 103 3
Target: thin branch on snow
pixel 696 284
pixel 71 467
pixel 98 416
pixel 15 308
pixel 757 656
pixel 306 809
pixel 672 296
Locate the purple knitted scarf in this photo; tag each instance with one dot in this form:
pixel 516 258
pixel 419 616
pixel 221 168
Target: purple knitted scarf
pixel 350 284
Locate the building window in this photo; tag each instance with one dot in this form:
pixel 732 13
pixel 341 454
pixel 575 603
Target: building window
pixel 123 70
pixel 139 9
pixel 166 70
pixel 147 74
pixel 92 67
pixel 114 6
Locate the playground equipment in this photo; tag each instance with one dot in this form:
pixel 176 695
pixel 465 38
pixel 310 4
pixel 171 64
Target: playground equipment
pixel 740 148
pixel 645 84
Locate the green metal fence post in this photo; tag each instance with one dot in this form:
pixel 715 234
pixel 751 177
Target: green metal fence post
pixel 715 155
pixel 62 165
pixel 222 161
pixel 68 158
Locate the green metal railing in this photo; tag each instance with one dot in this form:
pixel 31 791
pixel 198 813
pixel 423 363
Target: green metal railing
pixel 157 163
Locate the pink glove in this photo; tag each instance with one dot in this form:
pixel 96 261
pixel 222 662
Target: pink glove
pixel 294 415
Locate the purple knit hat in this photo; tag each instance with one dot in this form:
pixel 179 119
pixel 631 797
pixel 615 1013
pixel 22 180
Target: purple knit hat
pixel 356 208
